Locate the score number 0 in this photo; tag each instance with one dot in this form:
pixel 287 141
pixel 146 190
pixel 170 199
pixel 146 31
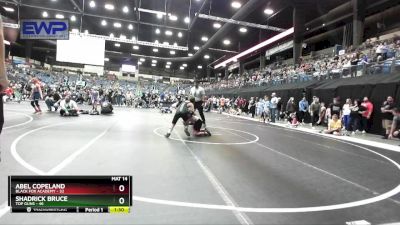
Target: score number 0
pixel 121 188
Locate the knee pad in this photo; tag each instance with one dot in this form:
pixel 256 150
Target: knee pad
pixel 197 125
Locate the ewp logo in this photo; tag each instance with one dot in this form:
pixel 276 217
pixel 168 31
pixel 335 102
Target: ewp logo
pixel 45 29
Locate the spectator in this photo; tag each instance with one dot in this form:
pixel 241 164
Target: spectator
pixel 346 114
pixel 279 109
pixel 303 109
pixel 273 106
pixel 260 108
pixel 335 126
pixel 292 120
pixel 314 111
pixel 336 108
pixel 68 107
pixel 290 106
pixel 53 100
pixel 395 128
pixel 322 114
pixel 267 106
pixel 252 107
pixel 387 115
pixel 356 111
pixel 366 116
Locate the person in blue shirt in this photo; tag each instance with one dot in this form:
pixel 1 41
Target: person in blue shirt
pixel 303 109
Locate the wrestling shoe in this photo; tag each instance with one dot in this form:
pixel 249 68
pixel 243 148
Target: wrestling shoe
pixel 207 131
pixel 167 135
pixel 187 131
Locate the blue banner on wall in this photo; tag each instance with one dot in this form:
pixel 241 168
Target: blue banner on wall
pixel 48 29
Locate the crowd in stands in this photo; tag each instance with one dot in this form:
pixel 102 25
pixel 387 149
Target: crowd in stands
pixel 349 118
pixel 53 87
pixel 371 54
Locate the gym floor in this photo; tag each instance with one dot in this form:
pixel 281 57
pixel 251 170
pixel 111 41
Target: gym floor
pixel 246 173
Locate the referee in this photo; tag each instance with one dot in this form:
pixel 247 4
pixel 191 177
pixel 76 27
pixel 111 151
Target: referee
pixel 198 93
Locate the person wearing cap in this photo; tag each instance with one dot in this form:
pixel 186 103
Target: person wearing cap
pixel 198 93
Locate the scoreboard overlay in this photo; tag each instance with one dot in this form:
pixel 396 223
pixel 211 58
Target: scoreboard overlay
pixel 70 194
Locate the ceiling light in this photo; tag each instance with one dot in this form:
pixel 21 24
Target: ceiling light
pixel 243 30
pixel 139 63
pixel 258 46
pixel 155 49
pixel 92 4
pixel 227 42
pixel 181 68
pixel 217 25
pixel 45 14
pixel 159 15
pixel 169 63
pixel 111 35
pixel 86 32
pixel 153 61
pixel 59 16
pixel 172 52
pixel 268 11
pixel 168 33
pixel 117 45
pixel 173 17
pixel 236 4
pixel 167 66
pixel 104 22
pixel 196 48
pixel 180 34
pixel 8 9
pixel 153 65
pixel 187 20
pixel 142 59
pixel 125 9
pixel 109 6
pixel 106 59
pixel 184 65
pixel 204 38
pixel 323 24
pixel 206 56
pixel 73 18
pixel 199 67
pixel 130 27
pixel 136 47
pixel 158 31
pixel 117 25
pixel 190 54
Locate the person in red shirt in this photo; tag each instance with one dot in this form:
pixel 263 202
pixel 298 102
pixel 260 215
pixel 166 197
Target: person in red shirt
pixel 366 115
